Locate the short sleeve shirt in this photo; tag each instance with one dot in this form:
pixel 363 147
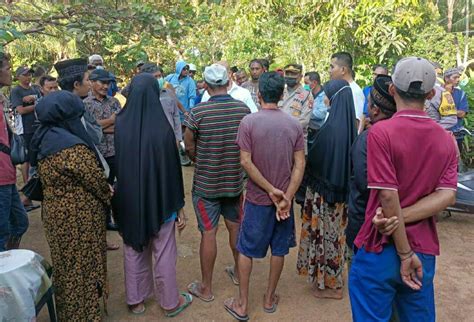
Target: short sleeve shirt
pixel 103 110
pixel 215 123
pixel 413 155
pixel 272 149
pixel 7 170
pixel 16 98
pixel 359 100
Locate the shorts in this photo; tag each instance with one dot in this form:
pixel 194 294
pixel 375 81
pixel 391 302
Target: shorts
pixel 209 210
pixel 376 288
pixel 260 230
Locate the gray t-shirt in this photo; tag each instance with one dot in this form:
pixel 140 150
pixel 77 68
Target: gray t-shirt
pixel 16 99
pixel 272 137
pixel 169 101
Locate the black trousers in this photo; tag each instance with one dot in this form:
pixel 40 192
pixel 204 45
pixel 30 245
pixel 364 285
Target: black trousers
pixel 111 180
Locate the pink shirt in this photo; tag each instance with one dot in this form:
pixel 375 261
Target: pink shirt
pixel 413 155
pixel 7 170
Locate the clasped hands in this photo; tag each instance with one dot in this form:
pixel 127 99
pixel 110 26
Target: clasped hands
pixel 281 202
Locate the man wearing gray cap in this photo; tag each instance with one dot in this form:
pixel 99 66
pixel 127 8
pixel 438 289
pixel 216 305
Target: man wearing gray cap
pixel 218 178
pixel 408 157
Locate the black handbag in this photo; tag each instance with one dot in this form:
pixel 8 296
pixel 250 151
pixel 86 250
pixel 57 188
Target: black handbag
pixel 18 151
pixel 33 189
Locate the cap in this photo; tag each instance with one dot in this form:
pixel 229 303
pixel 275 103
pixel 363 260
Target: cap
pixel 95 57
pixel 452 71
pixel 139 64
pixel 71 67
pixel 414 75
pixel 192 67
pixel 150 68
pixel 216 75
pixel 100 75
pixel 23 70
pixel 293 68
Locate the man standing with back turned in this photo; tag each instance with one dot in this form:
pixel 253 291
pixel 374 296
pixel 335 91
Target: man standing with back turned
pixel 408 157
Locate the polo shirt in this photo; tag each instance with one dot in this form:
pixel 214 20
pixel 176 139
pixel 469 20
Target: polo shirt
pixel 238 93
pixel 411 154
pixel 215 123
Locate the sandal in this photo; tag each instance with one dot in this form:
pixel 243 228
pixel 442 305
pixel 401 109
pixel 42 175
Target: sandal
pixel 188 299
pixel 29 208
pixel 276 299
pixel 230 270
pixel 229 306
pixel 139 308
pixel 195 289
pixel 112 246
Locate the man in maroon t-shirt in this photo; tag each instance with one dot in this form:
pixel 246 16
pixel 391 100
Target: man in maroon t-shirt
pixel 408 157
pixel 13 219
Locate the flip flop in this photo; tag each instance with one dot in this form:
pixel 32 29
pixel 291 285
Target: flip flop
pixel 188 299
pixel 31 207
pixel 112 246
pixel 230 270
pixel 273 309
pixel 137 312
pixel 230 310
pixel 194 289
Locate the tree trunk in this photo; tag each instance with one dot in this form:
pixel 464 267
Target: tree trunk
pixel 466 39
pixel 450 4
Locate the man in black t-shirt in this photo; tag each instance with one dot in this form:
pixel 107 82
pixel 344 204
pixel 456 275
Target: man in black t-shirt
pixel 23 99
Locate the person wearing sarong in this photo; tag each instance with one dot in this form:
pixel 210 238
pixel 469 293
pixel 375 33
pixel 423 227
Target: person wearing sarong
pixel 322 242
pixel 149 199
pixel 76 195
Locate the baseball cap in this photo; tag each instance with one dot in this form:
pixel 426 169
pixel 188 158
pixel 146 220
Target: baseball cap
pixel 100 75
pixel 414 75
pixel 150 68
pixel 95 57
pixel 216 75
pixel 23 70
pixel 192 67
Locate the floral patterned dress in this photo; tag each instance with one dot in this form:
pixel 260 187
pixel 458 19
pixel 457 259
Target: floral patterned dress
pixel 322 242
pixel 73 212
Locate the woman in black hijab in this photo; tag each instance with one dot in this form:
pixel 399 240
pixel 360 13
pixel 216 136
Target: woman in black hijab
pixel 149 198
pixel 322 244
pixel 76 195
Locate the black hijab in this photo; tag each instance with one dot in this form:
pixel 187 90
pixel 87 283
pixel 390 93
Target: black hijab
pixel 149 179
pixel 59 114
pixel 329 155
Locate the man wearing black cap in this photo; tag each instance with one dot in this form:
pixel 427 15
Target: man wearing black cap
pixel 23 99
pixel 408 158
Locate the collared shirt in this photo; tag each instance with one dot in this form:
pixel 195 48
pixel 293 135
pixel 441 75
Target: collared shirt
pixel 102 110
pixel 252 87
pixel 412 155
pixel 7 170
pixel 215 123
pixel 299 104
pixel 320 111
pixel 238 93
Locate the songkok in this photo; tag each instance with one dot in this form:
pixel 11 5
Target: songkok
pixel 71 67
pixel 380 95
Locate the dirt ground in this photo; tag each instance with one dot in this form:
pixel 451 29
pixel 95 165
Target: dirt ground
pixel 454 280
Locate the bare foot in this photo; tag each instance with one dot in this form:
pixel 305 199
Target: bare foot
pixel 328 293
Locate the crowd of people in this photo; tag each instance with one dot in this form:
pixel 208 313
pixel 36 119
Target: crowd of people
pixel 369 168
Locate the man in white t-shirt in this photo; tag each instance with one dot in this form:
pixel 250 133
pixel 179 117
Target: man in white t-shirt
pixel 234 90
pixel 341 68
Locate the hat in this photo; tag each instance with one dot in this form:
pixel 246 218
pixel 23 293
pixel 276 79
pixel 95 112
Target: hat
pixel 414 75
pixel 293 68
pixel 192 67
pixel 380 95
pixel 71 67
pixel 24 70
pixel 95 57
pixel 100 75
pixel 139 64
pixel 149 68
pixel 452 71
pixel 216 75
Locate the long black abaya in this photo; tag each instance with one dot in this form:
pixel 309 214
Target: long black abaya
pixel 149 179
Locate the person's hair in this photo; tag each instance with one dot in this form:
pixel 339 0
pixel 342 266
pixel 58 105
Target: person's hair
pixel 413 97
pixel 40 71
pixel 384 67
pixel 160 69
pixel 200 81
pixel 343 58
pixel 265 63
pixel 313 76
pixel 256 61
pixel 271 86
pixel 46 78
pixel 234 69
pixel 67 83
pixel 4 58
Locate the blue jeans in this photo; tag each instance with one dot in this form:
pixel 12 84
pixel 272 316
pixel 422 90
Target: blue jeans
pixel 375 283
pixel 13 218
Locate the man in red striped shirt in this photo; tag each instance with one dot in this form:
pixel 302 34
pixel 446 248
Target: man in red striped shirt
pixel 218 178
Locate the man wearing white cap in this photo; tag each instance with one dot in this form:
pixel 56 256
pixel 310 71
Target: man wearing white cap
pixel 218 178
pixel 97 61
pixel 192 70
pixel 408 157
